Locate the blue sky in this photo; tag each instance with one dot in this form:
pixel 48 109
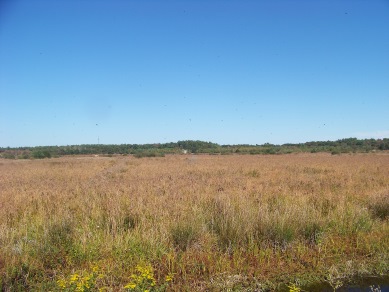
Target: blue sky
pixel 230 72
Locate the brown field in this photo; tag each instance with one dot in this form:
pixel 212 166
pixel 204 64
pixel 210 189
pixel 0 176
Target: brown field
pixel 214 223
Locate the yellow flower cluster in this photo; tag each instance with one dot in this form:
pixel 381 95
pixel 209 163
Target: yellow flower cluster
pixel 80 283
pixel 61 284
pixel 294 288
pixel 169 278
pixel 143 280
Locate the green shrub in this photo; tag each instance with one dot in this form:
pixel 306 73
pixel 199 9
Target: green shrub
pixel 149 154
pixel 8 155
pixel 37 154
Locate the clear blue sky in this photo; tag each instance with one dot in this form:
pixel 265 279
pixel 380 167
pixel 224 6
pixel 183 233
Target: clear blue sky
pixel 230 72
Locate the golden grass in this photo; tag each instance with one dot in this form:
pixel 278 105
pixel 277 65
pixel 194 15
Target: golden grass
pixel 215 222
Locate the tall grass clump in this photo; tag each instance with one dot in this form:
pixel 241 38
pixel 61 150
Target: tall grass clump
pixel 281 220
pixel 185 234
pixel 226 220
pixel 379 207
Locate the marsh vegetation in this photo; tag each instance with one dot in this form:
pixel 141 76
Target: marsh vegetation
pixel 205 222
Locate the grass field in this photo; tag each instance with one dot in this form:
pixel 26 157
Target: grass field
pixel 193 222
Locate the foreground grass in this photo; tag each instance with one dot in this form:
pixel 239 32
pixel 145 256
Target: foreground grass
pixel 201 222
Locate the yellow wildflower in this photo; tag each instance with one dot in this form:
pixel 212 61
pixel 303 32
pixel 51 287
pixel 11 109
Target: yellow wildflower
pixel 130 286
pixel 95 268
pixel 169 278
pixel 74 278
pixel 61 283
pixel 294 288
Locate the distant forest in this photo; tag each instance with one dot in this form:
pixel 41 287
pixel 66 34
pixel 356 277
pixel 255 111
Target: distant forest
pixel 350 145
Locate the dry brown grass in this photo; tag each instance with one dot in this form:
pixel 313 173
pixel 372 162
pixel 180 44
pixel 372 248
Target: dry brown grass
pixel 217 222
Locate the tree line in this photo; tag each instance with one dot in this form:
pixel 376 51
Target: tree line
pixel 349 145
